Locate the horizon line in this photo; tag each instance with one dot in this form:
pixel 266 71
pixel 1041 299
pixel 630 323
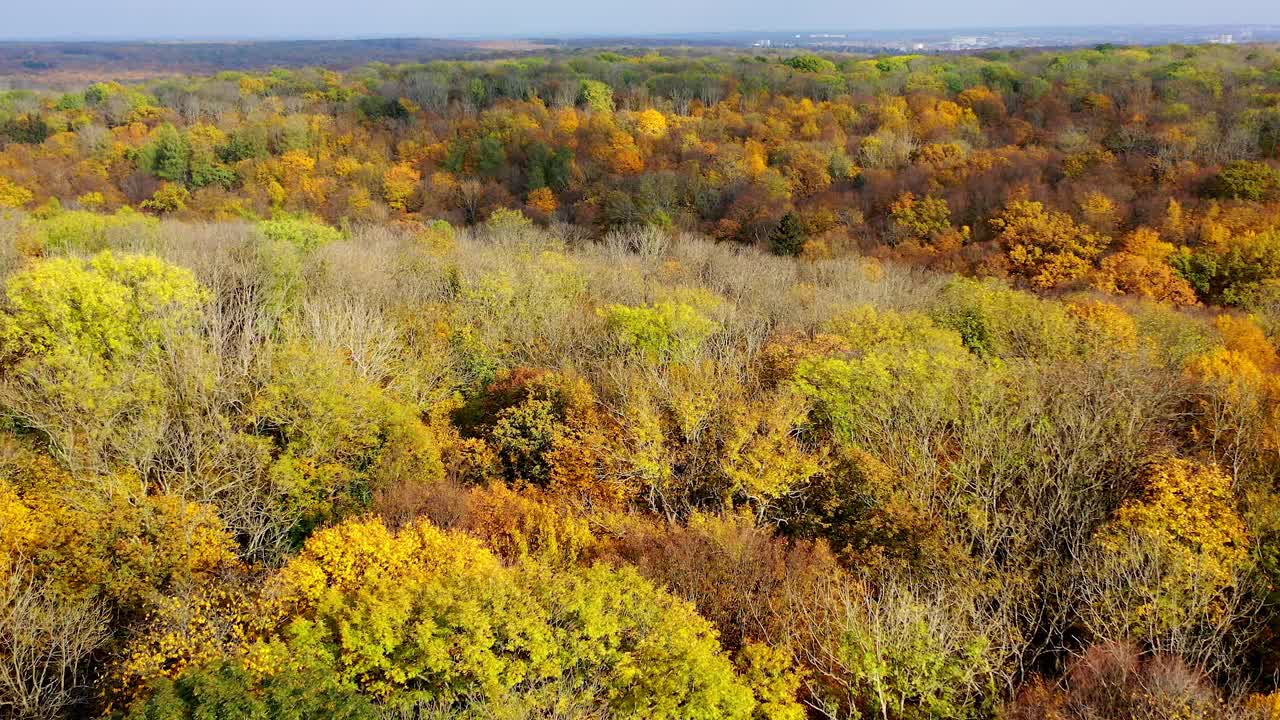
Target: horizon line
pixel 606 34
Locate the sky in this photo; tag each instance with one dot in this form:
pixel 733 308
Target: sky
pixel 232 19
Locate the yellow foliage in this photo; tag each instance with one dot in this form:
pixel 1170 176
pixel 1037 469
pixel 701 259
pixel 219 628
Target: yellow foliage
pixel 92 200
pixel 762 456
pixel 543 200
pixel 756 158
pixel 1186 523
pixel 13 195
pixel 365 557
pixel 1141 268
pixel 1264 707
pixel 126 551
pixel 527 525
pixel 252 85
pixel 207 624
pixel 400 184
pixel 346 166
pixel 1239 403
pixel 567 121
pixel 1099 210
pixel 295 164
pixel 1045 246
pixel 1243 335
pixel 651 123
pixel 1104 325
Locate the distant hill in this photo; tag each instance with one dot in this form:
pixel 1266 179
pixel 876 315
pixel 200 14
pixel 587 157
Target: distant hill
pixel 71 59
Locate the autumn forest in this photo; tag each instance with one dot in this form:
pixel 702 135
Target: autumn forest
pixel 654 385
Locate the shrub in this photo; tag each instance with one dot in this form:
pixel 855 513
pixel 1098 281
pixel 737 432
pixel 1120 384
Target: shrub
pixel 423 618
pixel 84 232
pixel 81 351
pixel 304 234
pixel 665 332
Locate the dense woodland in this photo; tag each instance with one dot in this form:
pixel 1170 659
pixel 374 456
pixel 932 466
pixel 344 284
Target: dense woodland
pixel 52 63
pixel 646 386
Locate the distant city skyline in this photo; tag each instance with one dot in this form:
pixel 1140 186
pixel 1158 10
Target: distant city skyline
pixel 284 19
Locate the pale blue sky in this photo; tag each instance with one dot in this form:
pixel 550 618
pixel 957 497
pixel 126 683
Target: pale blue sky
pixel 97 19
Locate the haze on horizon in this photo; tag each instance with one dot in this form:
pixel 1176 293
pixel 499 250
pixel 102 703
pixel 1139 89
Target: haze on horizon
pixel 253 19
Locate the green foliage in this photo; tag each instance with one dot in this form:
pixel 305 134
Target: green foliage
pixel 995 321
pixel 810 64
pixel 169 198
pixel 81 347
pixel 771 676
pixel 509 222
pixel 484 155
pixel 82 232
pixel 665 331
pixel 109 309
pixel 429 619
pixel 302 233
pixel 893 494
pixel 243 145
pixel 71 101
pixel 339 437
pixel 27 129
pixel 788 237
pixel 206 174
pixel 1245 180
pixel 549 168
pixel 903 366
pixel 168 156
pixel 1236 272
pixel 305 690
pixel 900 654
pixel 596 96
pixel 920 219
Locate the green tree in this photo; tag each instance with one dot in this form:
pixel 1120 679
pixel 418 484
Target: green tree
pixel 303 233
pixel 788 237
pixel 428 619
pixel 306 689
pixel 596 96
pixel 168 156
pixel 1245 180
pixel 81 349
pixel 810 64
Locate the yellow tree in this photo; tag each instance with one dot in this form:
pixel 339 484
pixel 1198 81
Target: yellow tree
pixel 1141 268
pixel 1044 246
pixel 13 195
pixel 400 186
pixel 1168 568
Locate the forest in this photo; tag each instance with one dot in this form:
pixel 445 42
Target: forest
pixel 610 385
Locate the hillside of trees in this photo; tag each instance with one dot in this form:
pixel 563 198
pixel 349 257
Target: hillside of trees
pixel 646 386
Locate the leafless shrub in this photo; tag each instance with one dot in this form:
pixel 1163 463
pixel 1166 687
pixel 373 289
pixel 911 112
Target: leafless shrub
pixel 647 241
pixel 445 504
pixel 46 643
pixel 355 328
pixel 10 258
pixel 1115 681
